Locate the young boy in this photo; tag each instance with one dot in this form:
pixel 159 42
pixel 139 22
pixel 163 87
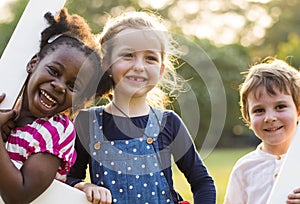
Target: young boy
pixel 270 106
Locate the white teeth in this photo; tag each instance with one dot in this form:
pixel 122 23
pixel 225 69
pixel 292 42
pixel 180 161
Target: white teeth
pixel 272 129
pixel 48 97
pixel 137 79
pixel 46 105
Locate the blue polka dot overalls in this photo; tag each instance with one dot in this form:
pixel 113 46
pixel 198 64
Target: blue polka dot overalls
pixel 129 168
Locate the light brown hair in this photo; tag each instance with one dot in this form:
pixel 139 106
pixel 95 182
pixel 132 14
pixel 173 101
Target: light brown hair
pixel 170 83
pixel 271 74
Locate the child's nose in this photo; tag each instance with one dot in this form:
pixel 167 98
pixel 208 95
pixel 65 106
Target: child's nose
pixel 270 116
pixel 139 64
pixel 59 86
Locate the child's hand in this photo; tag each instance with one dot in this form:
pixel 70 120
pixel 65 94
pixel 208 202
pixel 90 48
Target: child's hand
pixel 2 96
pixel 294 197
pixel 95 194
pixel 7 122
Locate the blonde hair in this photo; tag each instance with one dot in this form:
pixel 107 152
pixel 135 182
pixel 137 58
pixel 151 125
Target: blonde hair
pixel 170 83
pixel 271 74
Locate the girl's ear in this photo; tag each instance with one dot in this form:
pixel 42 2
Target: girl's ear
pixel 107 67
pixel 162 69
pixel 105 63
pixel 32 64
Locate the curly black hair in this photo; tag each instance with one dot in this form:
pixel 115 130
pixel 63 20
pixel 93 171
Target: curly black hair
pixel 74 31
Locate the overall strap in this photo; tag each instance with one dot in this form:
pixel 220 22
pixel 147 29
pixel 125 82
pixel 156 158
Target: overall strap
pixel 157 116
pixel 153 129
pixel 154 123
pixel 95 118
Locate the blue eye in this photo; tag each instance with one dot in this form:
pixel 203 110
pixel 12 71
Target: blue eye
pixel 127 55
pixel 152 58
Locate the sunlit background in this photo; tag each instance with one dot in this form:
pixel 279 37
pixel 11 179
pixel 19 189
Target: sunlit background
pixel 208 18
pixel 5 14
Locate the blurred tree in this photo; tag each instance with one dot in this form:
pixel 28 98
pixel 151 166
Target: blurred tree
pixel 280 38
pixel 7 28
pixel 230 61
pixel 237 32
pixel 290 50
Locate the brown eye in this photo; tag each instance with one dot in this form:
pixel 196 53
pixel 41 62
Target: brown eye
pixel 53 71
pixel 73 87
pixel 259 110
pixel 279 107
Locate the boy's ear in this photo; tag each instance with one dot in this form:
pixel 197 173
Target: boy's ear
pixel 32 64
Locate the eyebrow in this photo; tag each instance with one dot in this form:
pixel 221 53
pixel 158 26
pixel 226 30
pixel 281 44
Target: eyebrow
pixel 255 106
pixel 275 102
pixel 131 49
pixel 157 52
pixel 60 65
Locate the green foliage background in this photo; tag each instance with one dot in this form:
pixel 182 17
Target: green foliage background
pixel 281 40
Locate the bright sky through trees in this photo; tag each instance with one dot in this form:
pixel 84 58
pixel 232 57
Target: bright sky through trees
pixel 216 20
pixel 4 11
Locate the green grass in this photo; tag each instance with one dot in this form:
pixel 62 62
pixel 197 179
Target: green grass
pixel 219 164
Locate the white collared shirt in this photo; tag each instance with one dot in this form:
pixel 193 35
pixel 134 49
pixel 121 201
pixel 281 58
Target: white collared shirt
pixel 252 178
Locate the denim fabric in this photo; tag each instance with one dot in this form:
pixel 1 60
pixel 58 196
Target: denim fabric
pixel 129 168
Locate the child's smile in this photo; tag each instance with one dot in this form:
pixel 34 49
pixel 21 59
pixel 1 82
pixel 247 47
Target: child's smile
pixel 136 78
pixel 137 62
pixel 273 129
pixel 47 100
pixel 57 80
pixel 273 118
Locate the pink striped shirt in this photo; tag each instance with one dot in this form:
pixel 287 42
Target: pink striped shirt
pixel 55 135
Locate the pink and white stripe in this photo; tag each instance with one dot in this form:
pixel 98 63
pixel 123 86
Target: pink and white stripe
pixel 55 135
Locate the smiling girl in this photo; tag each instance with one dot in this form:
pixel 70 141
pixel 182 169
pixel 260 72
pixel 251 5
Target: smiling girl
pixel 40 138
pixel 129 143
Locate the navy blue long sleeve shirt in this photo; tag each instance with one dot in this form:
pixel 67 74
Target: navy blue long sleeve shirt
pixel 174 139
